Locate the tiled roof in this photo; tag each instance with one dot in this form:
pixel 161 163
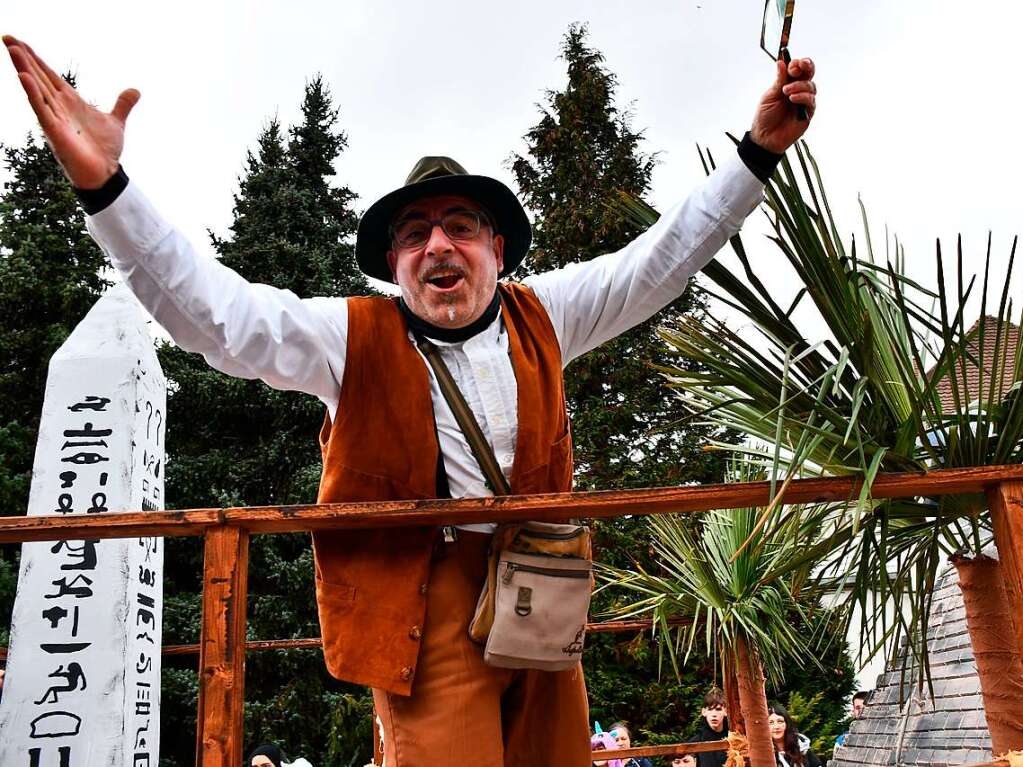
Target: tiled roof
pixel 948 730
pixel 973 387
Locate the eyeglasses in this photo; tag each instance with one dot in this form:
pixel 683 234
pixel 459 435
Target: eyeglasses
pixel 414 232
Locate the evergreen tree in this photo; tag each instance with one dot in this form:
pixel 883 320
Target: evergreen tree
pixel 628 429
pixel 236 442
pixel 50 276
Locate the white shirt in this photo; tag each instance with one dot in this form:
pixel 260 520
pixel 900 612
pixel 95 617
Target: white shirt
pixel 258 331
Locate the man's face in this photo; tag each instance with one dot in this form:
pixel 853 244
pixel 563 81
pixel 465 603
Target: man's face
pixel 621 736
pixel 715 716
pixel 447 281
pixel 858 705
pixel 687 760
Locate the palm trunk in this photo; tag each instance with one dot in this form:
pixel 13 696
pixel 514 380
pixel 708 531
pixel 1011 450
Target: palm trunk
pixel 749 676
pixel 992 634
pixel 731 688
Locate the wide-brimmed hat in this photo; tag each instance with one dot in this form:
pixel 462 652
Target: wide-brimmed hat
pixel 434 177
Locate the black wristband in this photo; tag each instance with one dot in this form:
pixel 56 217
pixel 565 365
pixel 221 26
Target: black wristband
pixel 761 162
pixel 95 200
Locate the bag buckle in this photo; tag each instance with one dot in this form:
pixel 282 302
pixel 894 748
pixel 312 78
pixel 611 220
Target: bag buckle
pixel 522 603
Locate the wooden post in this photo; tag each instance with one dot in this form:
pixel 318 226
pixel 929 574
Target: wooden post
pixel 1006 504
pixel 222 648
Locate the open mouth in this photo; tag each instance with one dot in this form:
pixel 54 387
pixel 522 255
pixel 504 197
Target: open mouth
pixel 445 281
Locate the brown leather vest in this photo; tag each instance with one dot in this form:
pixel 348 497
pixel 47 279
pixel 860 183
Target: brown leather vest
pixel 371 584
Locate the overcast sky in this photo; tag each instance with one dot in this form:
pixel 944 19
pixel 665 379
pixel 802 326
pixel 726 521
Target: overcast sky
pixel 919 104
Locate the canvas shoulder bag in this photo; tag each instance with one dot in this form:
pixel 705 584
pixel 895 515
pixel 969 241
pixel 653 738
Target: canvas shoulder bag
pixel 533 608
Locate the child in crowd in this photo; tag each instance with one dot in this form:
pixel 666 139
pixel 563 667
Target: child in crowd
pixel 686 760
pixel 714 727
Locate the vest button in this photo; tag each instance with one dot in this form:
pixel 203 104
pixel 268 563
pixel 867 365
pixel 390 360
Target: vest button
pixel 422 588
pixel 415 633
pixel 406 673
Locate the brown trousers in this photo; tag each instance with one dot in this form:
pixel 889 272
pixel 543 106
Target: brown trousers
pixel 462 712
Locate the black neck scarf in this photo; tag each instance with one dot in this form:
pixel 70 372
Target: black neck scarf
pixel 421 327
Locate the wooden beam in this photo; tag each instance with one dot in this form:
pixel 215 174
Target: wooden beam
pixel 222 649
pixel 671 749
pixel 315 643
pixel 1006 505
pixel 601 504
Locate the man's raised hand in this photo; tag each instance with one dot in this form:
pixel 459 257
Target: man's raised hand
pixel 86 142
pixel 776 124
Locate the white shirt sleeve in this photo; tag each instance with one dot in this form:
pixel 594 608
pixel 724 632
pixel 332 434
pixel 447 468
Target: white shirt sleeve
pixel 243 329
pixel 593 301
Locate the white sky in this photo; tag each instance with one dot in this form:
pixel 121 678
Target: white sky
pixel 919 106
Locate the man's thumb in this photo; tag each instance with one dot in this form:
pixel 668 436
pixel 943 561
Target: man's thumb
pixel 781 75
pixel 125 103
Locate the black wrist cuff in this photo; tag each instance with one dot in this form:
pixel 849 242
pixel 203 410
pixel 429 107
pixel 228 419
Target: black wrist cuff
pixel 761 162
pixel 95 200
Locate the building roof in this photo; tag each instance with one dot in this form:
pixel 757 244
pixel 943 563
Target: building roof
pixel 970 379
pixel 950 729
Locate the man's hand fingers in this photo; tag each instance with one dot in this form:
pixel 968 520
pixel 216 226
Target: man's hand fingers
pixel 25 63
pixel 125 103
pixel 55 80
pixel 799 86
pixel 39 103
pixel 802 69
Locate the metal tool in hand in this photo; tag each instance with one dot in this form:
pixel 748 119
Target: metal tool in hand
pixel 774 35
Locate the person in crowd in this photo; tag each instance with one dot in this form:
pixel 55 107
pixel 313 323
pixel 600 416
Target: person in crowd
pixel 791 748
pixel 685 760
pixel 602 741
pixel 859 701
pixel 623 737
pixel 2 672
pixel 444 237
pixel 269 755
pixel 713 727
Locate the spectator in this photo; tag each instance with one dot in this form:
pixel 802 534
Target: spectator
pixel 269 755
pixel 623 737
pixel 714 727
pixel 3 671
pixel 859 701
pixel 686 760
pixel 791 749
pixel 602 741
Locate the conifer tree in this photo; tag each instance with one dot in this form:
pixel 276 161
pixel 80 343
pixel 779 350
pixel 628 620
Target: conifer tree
pixel 237 442
pixel 50 275
pixel 581 154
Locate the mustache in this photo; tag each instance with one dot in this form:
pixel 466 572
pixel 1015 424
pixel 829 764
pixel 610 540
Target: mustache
pixel 444 268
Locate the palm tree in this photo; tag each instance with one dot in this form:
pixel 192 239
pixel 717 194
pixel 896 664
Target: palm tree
pixel 741 575
pixel 898 383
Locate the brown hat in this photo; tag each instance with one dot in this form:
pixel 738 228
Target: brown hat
pixel 434 177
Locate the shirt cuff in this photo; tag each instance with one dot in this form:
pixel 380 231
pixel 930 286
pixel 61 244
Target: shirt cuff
pixel 761 162
pixel 95 200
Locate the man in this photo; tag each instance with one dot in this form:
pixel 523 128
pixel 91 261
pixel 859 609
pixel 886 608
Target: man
pixel 713 727
pixel 395 605
pixel 859 702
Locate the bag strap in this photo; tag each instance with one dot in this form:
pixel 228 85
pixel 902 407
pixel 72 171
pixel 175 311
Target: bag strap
pixel 466 420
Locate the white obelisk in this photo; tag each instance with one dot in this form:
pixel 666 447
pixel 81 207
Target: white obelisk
pixel 83 671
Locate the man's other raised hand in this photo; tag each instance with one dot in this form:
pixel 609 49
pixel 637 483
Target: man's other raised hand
pixel 776 124
pixel 86 142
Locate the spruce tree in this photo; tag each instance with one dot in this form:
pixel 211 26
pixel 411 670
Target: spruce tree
pixel 50 276
pixel 236 442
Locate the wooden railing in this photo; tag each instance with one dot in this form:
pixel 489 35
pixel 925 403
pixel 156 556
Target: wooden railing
pixel 227 531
